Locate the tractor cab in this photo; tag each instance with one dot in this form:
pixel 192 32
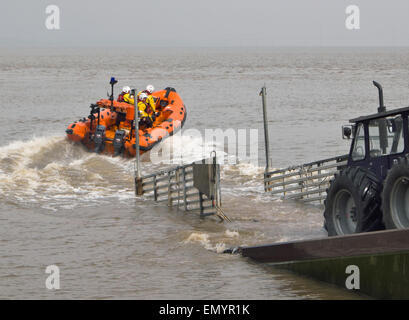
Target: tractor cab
pixel 378 140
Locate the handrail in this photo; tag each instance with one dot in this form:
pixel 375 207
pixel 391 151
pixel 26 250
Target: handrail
pixel 339 158
pixel 306 182
pixel 177 186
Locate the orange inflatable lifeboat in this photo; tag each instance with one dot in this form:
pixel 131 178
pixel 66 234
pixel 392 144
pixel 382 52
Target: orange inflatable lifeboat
pixel 110 126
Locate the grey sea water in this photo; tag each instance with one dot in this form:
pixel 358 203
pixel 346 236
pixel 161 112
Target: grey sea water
pixel 62 205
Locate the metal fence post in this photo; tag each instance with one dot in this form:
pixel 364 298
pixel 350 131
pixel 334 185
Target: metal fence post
pixel 170 189
pixel 216 171
pixel 283 186
pixel 155 190
pixel 201 203
pixel 177 183
pixel 138 179
pixel 184 187
pixel 302 182
pixel 319 164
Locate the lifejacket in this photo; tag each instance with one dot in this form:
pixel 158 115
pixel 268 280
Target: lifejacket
pixel 129 98
pixel 121 97
pixel 144 109
pixel 152 104
pixel 149 100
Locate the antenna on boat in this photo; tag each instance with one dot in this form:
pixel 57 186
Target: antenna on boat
pixel 112 83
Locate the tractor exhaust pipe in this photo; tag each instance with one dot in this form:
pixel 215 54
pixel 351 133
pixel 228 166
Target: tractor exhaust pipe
pixel 383 134
pixel 382 107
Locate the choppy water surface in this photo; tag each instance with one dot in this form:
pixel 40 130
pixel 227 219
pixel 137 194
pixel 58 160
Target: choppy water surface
pixel 60 204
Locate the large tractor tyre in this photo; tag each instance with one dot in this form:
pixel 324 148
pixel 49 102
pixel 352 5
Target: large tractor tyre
pixel 395 196
pixel 353 203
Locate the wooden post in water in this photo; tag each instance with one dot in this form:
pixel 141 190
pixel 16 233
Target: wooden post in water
pixel 138 179
pixel 263 94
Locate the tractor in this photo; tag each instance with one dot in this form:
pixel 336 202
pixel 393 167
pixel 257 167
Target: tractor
pixel 372 191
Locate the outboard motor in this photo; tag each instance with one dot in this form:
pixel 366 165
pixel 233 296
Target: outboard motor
pixel 99 138
pixel 119 142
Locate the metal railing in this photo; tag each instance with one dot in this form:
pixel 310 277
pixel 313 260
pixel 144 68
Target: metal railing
pixel 307 182
pixel 176 187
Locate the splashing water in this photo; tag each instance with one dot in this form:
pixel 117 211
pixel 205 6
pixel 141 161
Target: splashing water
pixel 203 239
pixel 57 174
pixel 54 173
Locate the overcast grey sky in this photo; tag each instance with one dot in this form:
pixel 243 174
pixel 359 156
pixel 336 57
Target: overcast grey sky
pixel 204 23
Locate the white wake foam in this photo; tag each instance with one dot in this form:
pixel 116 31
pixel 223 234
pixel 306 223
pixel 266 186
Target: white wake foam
pixel 54 173
pixel 203 239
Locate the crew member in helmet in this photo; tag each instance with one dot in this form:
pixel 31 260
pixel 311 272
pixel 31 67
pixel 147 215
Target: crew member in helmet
pixel 129 97
pixel 125 90
pixel 145 110
pixel 149 90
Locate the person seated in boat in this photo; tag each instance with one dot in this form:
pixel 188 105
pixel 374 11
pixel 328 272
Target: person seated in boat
pixel 125 90
pixel 149 90
pixel 129 97
pixel 147 101
pixel 145 110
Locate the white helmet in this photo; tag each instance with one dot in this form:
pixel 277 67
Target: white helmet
pixel 150 88
pixel 143 96
pixel 126 89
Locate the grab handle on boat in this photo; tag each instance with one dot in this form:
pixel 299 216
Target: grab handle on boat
pixel 167 92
